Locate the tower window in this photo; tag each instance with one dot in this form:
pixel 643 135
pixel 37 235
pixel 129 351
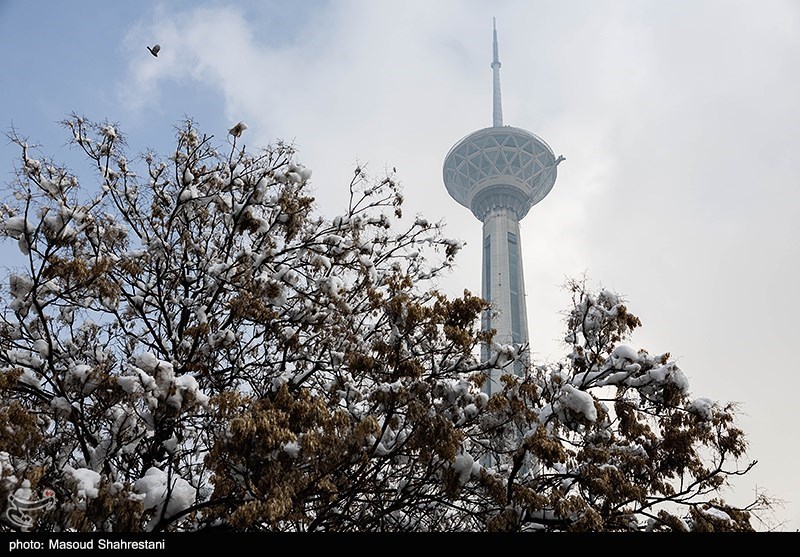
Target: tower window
pixel 487 279
pixel 486 324
pixel 514 287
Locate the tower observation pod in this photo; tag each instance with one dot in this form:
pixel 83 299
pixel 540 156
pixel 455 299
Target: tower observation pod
pixel 499 173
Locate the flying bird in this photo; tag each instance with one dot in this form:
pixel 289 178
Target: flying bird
pixel 236 131
pixel 154 50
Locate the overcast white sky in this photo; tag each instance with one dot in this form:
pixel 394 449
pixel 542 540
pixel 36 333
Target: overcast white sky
pixel 679 121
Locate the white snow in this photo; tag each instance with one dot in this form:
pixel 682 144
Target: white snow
pixel 6 468
pixel 579 401
pixel 50 187
pixel 16 227
pixel 463 464
pixel 80 371
pixel 170 444
pixel 666 374
pixel 42 347
pixel 158 377
pixel 200 312
pixel 703 407
pixel 717 513
pixel 148 382
pixel 302 173
pixel 20 286
pixel 29 379
pixel 24 491
pixel 159 490
pixel 291 448
pixel 188 194
pixel 87 481
pixel 624 352
pixel 218 269
pixel 187 384
pixel 147 361
pixel 321 261
pixel 331 285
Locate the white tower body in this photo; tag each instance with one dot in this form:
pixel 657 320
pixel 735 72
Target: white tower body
pixel 499 173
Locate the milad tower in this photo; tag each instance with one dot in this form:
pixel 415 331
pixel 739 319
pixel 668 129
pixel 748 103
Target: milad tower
pixel 499 173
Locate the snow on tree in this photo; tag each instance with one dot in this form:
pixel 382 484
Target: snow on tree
pixel 192 346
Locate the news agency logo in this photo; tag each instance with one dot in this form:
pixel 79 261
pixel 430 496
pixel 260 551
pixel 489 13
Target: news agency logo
pixel 23 507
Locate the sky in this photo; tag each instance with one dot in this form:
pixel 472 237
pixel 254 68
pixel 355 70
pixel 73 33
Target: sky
pixel 679 121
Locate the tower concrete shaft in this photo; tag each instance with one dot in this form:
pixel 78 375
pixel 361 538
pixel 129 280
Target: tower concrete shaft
pixel 503 284
pixel 499 173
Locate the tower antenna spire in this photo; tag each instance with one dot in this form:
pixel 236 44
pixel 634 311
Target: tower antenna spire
pixel 497 104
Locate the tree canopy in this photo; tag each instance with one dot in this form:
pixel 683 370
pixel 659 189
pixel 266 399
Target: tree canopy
pixel 187 344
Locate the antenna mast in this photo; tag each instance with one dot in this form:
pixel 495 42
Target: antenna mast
pixel 497 105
